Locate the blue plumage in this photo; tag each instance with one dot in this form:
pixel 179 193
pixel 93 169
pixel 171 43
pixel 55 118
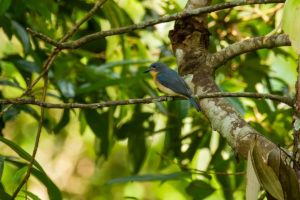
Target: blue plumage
pixel 170 82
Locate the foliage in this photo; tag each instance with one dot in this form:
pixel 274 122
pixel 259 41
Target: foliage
pixel 82 150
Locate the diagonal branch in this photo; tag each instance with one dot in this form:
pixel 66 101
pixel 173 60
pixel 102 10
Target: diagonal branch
pixel 18 101
pixel 221 57
pixel 167 18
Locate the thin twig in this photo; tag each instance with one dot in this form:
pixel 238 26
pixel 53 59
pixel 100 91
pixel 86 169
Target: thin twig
pixel 37 139
pixel 198 170
pixel 18 101
pixel 167 18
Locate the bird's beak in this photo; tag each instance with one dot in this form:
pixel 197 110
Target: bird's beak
pixel 148 70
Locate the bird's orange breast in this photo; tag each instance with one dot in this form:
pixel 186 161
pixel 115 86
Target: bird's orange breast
pixel 160 86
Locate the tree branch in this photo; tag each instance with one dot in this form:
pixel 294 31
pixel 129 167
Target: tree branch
pixel 296 124
pixel 219 58
pixel 167 18
pixel 36 144
pixel 18 101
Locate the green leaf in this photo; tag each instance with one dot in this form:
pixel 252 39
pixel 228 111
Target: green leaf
pixel 151 177
pixel 26 68
pixel 10 114
pixel 63 121
pixel 265 174
pixel 99 124
pixel 4 5
pixel 199 189
pixel 10 83
pixel 5 23
pixel 290 19
pixel 3 194
pixel 42 7
pixel 21 35
pixel 21 152
pixel 33 196
pixel 82 122
pixel 66 87
pixel 1 166
pixel 20 173
pixel 53 191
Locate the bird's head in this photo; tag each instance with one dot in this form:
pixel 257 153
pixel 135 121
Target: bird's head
pixel 156 68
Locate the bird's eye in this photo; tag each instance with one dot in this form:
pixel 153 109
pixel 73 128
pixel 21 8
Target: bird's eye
pixel 154 66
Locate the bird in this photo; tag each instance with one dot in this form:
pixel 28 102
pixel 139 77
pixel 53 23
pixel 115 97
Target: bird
pixel 170 82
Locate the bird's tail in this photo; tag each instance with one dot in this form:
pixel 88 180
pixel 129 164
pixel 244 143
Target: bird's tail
pixel 192 100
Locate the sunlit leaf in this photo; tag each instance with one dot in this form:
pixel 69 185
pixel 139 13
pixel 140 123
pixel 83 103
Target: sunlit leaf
pixel 253 186
pixel 291 16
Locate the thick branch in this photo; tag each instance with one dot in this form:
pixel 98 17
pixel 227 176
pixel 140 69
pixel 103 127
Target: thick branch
pixel 142 25
pixel 296 124
pixel 18 101
pixel 219 58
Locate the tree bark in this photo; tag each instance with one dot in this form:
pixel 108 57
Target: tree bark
pixel 190 40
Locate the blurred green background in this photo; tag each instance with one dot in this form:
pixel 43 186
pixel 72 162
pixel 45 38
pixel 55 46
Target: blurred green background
pixel 138 151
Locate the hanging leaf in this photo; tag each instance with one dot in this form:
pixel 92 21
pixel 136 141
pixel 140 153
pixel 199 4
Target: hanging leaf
pixel 289 181
pixel 290 22
pixel 21 35
pixel 253 186
pixel 66 87
pixel 99 124
pixel 265 174
pixel 63 121
pixel 199 189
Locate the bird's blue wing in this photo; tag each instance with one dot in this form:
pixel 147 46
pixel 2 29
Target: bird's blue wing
pixel 172 80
